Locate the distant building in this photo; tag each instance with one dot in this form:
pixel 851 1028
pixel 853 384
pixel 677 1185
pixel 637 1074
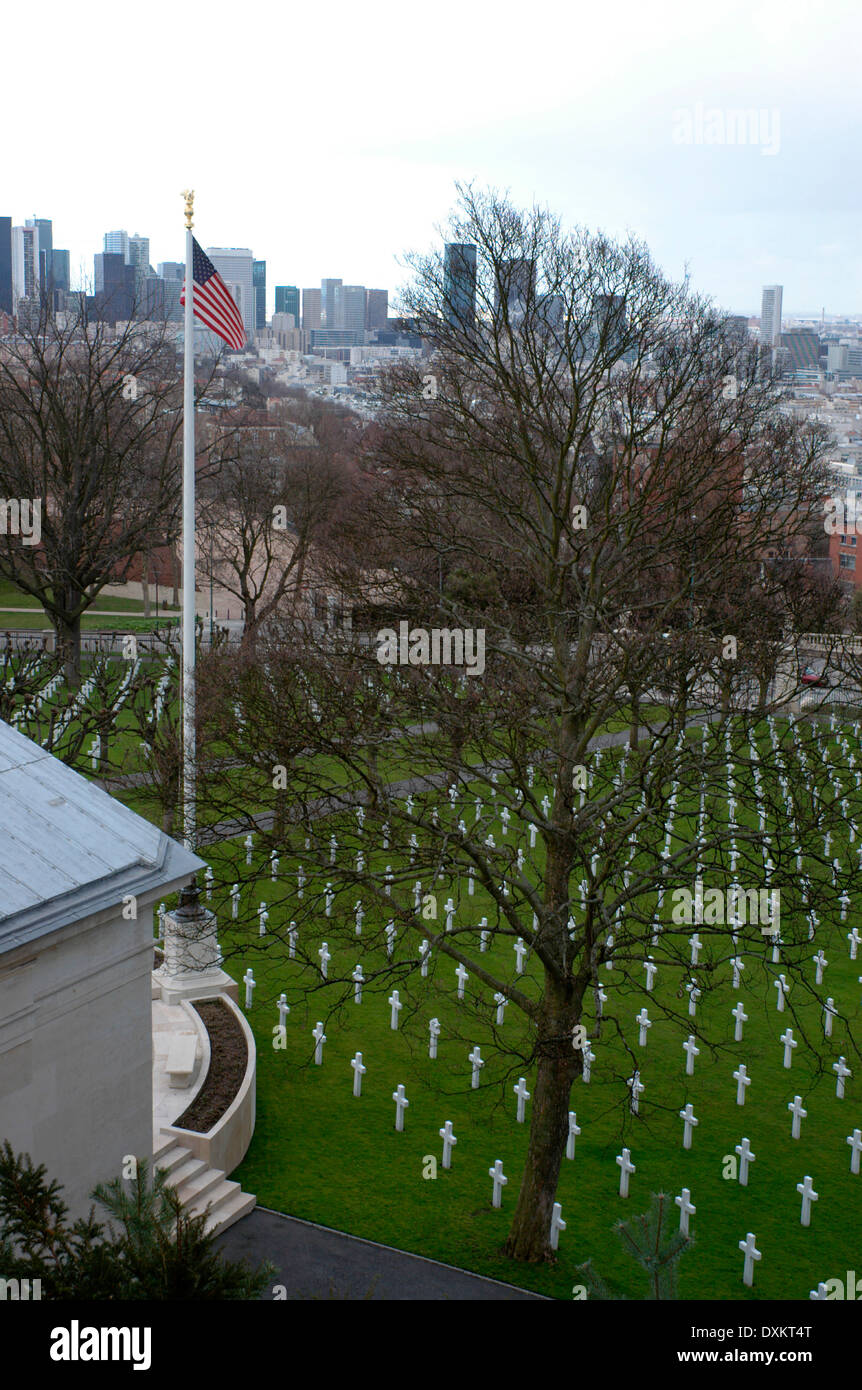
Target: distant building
pixel 6 265
pixel 235 265
pixel 114 283
pixel 737 325
pixel 60 270
pixel 376 308
pixel 312 309
pixel 25 265
pixel 45 228
pixel 172 270
pixel 259 279
pixel 802 346
pixel 116 244
pixel 287 301
pixel 770 314
pixel 336 337
pixel 330 304
pixel 351 299
pixel 517 283
pixel 459 284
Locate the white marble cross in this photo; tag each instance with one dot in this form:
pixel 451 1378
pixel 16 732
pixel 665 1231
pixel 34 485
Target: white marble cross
pixel 742 1080
pixel 696 946
pixel 751 1253
pixel 208 880
pixel 357 977
pixel 738 966
pixel 234 900
pixel 589 1057
pixel 396 1007
pixel 501 1001
pixel 523 1096
pixel 557 1225
pixel 462 978
pixel 249 982
pixel 741 1017
pixel 808 1195
pixel 283 1009
pixel 688 1118
pixel 433 1035
pixel 745 1157
pixel 693 995
pixel 358 1072
pixel 499 1182
pixel 424 955
pixel 471 881
pixel 691 1050
pixel 651 971
pixel 636 1087
pixel 643 1021
pixel 574 1131
pixel 686 1209
pixel 783 990
pixel 855 939
pixel 390 933
pixel 799 1114
pixel 401 1104
pixel 842 1071
pixel 475 1059
pixel 790 1043
pixel 249 841
pixel 358 913
pixel 300 882
pixel 319 1039
pixel 291 940
pixel 520 952
pixel 855 1142
pixel 449 909
pixel 325 958
pixel 449 1141
pixel 626 1169
pixel 820 963
pixel 263 918
pixel 483 938
pixel 329 896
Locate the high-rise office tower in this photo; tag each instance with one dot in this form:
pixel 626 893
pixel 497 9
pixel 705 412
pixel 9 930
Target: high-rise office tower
pixel 60 269
pixel 518 284
pixel 114 286
pixel 287 301
pixel 139 257
pixel 45 229
pixel 172 270
pixel 376 308
pixel 311 309
pixel 352 308
pixel 25 264
pixel 235 265
pixel 6 265
pixel 116 244
pixel 259 278
pixel 770 314
pixel 329 303
pixel 459 284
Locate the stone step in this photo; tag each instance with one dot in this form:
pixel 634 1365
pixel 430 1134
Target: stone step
pixel 171 1157
pixel 197 1190
pixel 232 1209
pixel 190 1168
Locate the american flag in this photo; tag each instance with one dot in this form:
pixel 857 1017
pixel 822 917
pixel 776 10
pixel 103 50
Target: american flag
pixel 213 303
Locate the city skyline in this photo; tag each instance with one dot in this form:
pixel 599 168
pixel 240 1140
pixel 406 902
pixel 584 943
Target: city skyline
pixel 635 135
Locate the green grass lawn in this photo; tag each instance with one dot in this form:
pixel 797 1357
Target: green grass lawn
pixel 321 1154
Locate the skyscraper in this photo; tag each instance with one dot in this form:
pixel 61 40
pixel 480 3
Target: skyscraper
pixel 352 308
pixel 311 309
pixel 60 269
pixel 6 265
pixel 459 284
pixel 770 314
pixel 518 284
pixel 114 287
pixel 259 278
pixel 376 308
pixel 45 230
pixel 235 265
pixel 287 301
pixel 172 270
pixel 116 244
pixel 329 303
pixel 25 264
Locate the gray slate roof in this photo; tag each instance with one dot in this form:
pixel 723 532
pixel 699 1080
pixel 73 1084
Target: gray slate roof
pixel 68 849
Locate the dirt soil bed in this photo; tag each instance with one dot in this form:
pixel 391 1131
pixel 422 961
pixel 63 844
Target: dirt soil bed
pixel 228 1061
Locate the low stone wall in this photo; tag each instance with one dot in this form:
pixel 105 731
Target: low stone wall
pixel 225 1145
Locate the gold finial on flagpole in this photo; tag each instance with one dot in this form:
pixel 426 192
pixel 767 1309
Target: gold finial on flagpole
pixel 189 195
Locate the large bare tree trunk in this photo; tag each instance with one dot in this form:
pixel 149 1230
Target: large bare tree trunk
pixel 558 1064
pixel 69 648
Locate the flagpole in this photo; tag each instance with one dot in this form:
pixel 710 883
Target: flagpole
pixel 189 750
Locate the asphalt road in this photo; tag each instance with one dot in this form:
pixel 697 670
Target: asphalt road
pixel 314 1262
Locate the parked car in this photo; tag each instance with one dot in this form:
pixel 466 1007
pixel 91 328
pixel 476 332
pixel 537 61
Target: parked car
pixel 815 673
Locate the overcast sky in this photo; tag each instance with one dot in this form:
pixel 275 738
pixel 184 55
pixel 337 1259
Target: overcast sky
pixel 328 138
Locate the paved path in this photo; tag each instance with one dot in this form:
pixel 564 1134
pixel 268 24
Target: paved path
pixel 316 1262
